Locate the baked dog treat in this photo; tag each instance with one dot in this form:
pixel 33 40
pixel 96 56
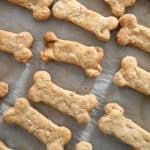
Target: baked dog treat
pixel 68 102
pixel 118 6
pixel 16 44
pixel 73 11
pixel 74 53
pixel 41 10
pixel 3 146
pixel 35 123
pixel 83 146
pixel 133 34
pixel 133 76
pixel 3 89
pixel 115 123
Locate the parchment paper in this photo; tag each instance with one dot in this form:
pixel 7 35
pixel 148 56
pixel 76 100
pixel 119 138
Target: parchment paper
pixel 16 19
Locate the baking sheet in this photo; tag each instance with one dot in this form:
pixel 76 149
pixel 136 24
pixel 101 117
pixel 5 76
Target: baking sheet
pixel 19 76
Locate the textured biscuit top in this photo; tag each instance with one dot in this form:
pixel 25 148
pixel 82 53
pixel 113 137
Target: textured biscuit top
pixel 68 102
pixel 84 146
pixel 132 33
pixel 3 89
pixel 40 8
pixel 118 6
pixel 87 57
pixel 16 44
pixel 36 123
pixel 78 14
pixel 116 124
pixel 133 76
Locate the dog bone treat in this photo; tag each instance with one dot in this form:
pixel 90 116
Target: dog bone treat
pixel 73 11
pixel 3 89
pixel 37 124
pixel 16 44
pixel 133 76
pixel 74 53
pixel 40 8
pixel 45 91
pixel 115 123
pixel 83 146
pixel 133 34
pixel 3 146
pixel 118 6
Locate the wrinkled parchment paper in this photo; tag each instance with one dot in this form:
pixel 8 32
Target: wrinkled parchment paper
pixel 19 76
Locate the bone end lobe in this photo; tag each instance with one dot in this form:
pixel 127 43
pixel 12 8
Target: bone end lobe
pixel 118 6
pixel 83 146
pixel 131 75
pixel 17 44
pixel 128 22
pixel 41 10
pixel 132 33
pixel 4 89
pixel 128 62
pixel 23 54
pixel 113 111
pixel 46 55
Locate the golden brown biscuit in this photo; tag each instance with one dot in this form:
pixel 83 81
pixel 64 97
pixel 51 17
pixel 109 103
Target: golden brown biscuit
pixel 72 52
pixel 133 34
pixel 40 8
pixel 3 146
pixel 16 44
pixel 73 11
pixel 83 146
pixel 35 123
pixel 68 102
pixel 133 76
pixel 115 123
pixel 118 6
pixel 3 89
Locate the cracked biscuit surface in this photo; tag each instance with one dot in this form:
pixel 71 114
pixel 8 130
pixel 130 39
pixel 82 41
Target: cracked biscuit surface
pixel 3 89
pixel 133 76
pixel 16 44
pixel 115 123
pixel 75 12
pixel 131 33
pixel 40 8
pixel 83 146
pixel 68 102
pixel 72 52
pixel 118 6
pixel 37 124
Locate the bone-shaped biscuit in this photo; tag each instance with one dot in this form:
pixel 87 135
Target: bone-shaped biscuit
pixel 73 11
pixel 40 8
pixel 118 6
pixel 133 76
pixel 3 146
pixel 83 146
pixel 3 89
pixel 115 123
pixel 16 44
pixel 133 34
pixel 74 53
pixel 35 123
pixel 68 102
